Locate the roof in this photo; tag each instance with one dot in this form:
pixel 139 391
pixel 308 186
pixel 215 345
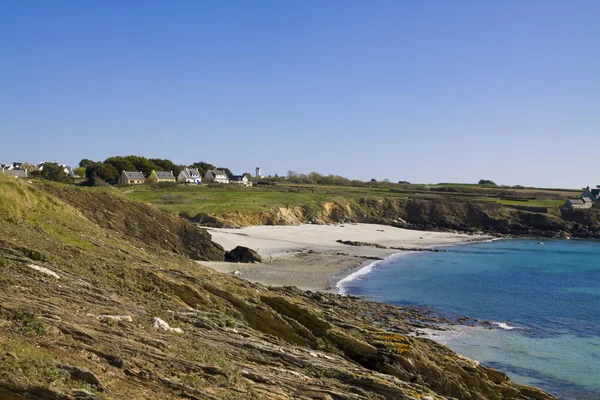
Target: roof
pixel 587 199
pixel 134 175
pixel 575 201
pixel 237 178
pixel 19 173
pixel 164 175
pixel 216 172
pixel 191 173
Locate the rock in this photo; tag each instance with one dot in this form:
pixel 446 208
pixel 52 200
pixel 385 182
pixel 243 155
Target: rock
pixel 243 255
pixel 44 270
pixel 117 318
pixel 84 394
pixel 82 375
pixel 159 324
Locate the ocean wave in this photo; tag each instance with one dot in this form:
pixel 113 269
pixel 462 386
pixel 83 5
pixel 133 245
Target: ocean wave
pixel 341 285
pixel 505 326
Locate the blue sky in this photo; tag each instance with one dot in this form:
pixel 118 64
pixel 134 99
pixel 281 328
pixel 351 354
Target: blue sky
pixel 424 91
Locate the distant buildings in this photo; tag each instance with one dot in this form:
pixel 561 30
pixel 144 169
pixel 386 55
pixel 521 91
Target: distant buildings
pixel 16 172
pixel 241 180
pixel 189 175
pixel 161 176
pixel 216 175
pixel 131 178
pixel 588 199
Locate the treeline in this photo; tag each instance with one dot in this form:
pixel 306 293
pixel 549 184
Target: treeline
pixel 110 169
pixel 314 178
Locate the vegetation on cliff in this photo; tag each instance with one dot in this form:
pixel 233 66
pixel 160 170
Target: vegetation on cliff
pixel 449 207
pixel 91 308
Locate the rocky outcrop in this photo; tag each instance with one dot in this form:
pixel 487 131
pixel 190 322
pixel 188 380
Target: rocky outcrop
pixel 243 254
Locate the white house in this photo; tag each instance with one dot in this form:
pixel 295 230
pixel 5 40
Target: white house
pixel 241 180
pixel 216 175
pixel 189 175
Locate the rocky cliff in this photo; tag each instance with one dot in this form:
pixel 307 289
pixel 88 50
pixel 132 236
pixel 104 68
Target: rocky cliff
pixel 434 214
pixel 92 310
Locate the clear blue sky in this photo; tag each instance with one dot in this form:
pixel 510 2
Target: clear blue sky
pixel 425 91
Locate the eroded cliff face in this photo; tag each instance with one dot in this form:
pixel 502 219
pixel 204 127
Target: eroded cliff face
pixel 438 214
pixel 89 311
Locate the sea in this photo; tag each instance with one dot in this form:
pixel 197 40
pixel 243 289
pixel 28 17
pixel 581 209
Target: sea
pixel 541 299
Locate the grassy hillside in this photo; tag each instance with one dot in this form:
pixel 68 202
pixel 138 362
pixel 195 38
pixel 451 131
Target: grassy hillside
pixel 217 200
pixel 468 208
pixel 79 298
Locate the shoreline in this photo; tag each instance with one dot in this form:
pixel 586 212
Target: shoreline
pixel 310 257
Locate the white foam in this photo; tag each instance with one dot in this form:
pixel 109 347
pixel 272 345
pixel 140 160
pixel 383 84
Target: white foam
pixel 363 271
pixel 504 325
pixel 354 276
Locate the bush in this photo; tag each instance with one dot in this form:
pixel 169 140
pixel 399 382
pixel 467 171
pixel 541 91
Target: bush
pixel 54 172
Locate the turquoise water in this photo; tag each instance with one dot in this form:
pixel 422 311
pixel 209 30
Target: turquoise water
pixel 543 299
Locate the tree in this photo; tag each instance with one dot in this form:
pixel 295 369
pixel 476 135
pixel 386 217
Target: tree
pixel 120 163
pixel 54 172
pixel 80 171
pixel 106 172
pixel 373 180
pixel 227 171
pixel 202 167
pixel 86 163
pixel 166 165
pixel 486 182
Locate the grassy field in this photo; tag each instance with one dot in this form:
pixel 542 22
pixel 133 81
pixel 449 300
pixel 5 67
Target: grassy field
pixel 220 199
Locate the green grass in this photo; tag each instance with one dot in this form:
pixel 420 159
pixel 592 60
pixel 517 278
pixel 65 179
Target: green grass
pixel 221 200
pixel 193 200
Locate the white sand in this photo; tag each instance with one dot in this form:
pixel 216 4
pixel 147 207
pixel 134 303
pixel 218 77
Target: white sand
pixel 308 256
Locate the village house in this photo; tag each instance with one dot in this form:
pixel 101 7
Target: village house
pixel 241 180
pixel 216 175
pixel 588 199
pixel 161 176
pixel 16 172
pixel 577 204
pixel 131 178
pixel 189 175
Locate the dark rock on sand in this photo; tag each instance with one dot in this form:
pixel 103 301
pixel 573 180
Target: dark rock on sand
pixel 243 255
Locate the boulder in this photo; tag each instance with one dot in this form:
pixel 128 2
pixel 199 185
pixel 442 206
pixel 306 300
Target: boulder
pixel 243 255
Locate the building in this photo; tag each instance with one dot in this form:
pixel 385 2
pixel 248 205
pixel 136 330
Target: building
pixel 161 176
pixel 593 194
pixel 588 199
pixel 131 178
pixel 258 175
pixel 16 172
pixel 216 175
pixel 189 175
pixel 241 180
pixel 578 204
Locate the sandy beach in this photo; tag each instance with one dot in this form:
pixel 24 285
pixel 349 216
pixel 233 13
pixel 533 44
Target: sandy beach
pixel 308 256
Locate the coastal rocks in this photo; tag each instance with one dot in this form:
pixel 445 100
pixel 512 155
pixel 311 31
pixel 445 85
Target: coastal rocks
pixel 242 254
pixel 378 246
